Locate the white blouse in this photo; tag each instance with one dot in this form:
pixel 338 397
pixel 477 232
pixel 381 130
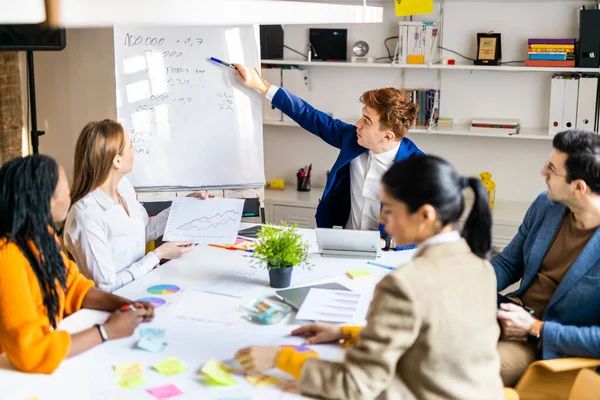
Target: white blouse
pixel 108 245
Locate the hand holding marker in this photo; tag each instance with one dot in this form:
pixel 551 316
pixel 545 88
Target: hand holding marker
pixel 224 63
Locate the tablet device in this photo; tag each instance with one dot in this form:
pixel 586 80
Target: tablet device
pixel 295 296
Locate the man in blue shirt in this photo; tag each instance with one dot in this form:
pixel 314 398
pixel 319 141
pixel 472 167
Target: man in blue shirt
pixel 555 256
pixel 367 149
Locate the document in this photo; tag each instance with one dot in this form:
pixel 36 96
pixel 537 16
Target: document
pixel 328 305
pixel 207 221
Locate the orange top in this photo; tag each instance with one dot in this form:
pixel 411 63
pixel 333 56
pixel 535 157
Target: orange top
pixel 26 336
pixel 292 361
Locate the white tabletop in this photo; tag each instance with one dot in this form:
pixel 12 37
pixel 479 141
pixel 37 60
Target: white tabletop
pixel 199 326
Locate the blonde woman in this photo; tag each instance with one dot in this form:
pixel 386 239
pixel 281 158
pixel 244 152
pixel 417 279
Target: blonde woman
pixel 107 228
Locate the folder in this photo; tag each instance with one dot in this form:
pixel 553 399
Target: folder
pixel 557 97
pixel 296 82
pixel 270 113
pixel 570 105
pixel 586 103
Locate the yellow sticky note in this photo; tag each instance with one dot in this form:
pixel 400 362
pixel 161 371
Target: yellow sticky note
pixel 171 366
pixel 262 380
pixel 218 373
pixel 128 369
pixel 131 382
pixel 358 273
pixel 413 7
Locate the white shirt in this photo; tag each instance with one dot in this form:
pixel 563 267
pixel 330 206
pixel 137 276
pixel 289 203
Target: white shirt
pixel 444 237
pixel 108 245
pixel 366 172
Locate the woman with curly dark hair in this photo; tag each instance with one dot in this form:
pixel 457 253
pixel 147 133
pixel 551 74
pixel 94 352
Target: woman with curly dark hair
pixel 39 285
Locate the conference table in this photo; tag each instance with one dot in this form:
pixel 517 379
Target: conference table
pixel 200 312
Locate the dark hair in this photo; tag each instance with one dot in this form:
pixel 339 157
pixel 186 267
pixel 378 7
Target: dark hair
pixel 28 184
pixel 431 180
pixel 583 156
pixel 396 111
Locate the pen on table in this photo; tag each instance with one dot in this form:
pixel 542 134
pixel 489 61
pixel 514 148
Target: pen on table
pixel 224 63
pixel 380 265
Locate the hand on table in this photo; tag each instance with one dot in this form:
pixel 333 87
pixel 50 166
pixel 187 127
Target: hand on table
pixel 257 358
pixel 319 332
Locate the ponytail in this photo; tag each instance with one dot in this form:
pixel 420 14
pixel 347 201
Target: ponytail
pixel 477 229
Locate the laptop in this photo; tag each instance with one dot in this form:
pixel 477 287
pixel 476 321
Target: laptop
pixel 348 243
pixel 295 296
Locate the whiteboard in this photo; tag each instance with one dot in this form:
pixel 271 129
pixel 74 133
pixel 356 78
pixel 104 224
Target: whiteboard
pixel 192 123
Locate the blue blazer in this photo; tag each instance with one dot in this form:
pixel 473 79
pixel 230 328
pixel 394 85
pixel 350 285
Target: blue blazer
pixel 572 319
pixel 334 207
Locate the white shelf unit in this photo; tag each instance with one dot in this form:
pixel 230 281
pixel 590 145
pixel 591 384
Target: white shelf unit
pixel 434 66
pixel 451 130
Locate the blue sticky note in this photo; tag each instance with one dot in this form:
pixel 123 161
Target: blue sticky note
pixel 151 345
pixel 152 333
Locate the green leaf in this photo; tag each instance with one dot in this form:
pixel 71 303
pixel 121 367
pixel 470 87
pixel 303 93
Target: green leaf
pixel 280 247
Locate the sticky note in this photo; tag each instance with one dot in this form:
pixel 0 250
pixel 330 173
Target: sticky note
pixel 359 273
pixel 152 333
pixel 131 382
pixel 262 380
pixel 128 369
pixel 151 345
pixel 413 7
pixel 171 366
pixel 165 391
pixel 218 373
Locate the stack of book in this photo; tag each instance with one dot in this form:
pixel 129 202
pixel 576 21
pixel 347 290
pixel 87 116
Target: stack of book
pixel 428 101
pixel 417 42
pixel 510 126
pixel 551 53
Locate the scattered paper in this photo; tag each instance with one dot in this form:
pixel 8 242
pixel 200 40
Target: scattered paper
pixel 128 369
pixel 215 221
pixel 359 273
pixel 151 345
pixel 131 382
pixel 171 366
pixel 198 306
pixel 165 392
pixel 218 373
pixel 330 305
pixel 262 380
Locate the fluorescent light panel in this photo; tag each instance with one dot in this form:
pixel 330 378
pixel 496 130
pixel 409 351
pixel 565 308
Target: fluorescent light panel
pixel 98 13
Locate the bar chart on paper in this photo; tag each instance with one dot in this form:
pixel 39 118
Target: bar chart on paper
pixel 204 221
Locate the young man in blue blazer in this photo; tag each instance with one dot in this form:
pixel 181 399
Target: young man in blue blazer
pixel 556 255
pixel 367 150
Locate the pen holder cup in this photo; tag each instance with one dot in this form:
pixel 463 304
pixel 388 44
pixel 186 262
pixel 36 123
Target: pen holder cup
pixel 304 184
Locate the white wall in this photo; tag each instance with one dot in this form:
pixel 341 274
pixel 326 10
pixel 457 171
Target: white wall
pixel 74 86
pixel 77 85
pixel 514 163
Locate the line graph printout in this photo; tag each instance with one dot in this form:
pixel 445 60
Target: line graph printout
pixel 204 221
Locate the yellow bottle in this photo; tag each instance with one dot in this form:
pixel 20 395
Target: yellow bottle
pixel 490 185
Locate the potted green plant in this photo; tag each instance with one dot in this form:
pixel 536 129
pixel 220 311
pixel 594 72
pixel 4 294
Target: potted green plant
pixel 280 248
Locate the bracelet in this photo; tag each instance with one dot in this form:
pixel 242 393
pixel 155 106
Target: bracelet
pixel 103 333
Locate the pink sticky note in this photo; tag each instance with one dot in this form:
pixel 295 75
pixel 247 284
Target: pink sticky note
pixel 165 392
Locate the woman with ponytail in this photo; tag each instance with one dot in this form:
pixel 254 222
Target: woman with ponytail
pixel 39 285
pixel 431 329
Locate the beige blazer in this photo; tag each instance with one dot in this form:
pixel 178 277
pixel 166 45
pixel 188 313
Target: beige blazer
pixel 431 333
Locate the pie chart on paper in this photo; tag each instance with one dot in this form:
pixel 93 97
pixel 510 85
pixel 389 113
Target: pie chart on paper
pixel 163 289
pixel 155 301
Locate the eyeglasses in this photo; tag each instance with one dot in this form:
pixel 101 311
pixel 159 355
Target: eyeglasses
pixel 549 169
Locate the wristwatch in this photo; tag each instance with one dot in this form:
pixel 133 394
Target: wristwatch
pixel 388 243
pixel 533 337
pixel 103 333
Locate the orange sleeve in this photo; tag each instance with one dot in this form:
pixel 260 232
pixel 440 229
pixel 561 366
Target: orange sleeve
pixel 291 361
pixel 25 333
pixel 351 332
pixel 77 287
